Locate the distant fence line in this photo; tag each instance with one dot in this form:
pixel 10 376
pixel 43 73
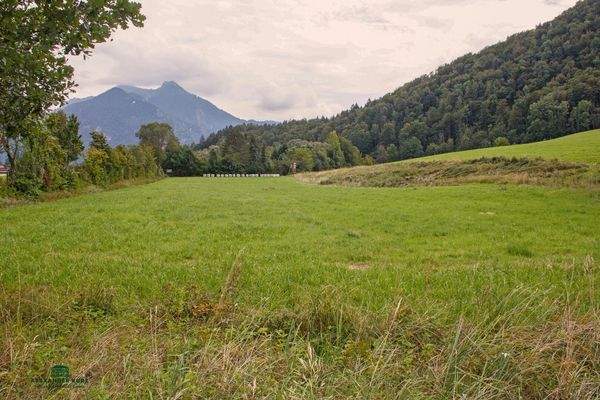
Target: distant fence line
pixel 241 175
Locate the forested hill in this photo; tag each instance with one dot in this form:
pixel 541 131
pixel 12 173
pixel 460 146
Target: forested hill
pixel 538 84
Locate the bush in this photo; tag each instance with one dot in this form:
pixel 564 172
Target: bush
pixel 41 167
pixel 27 185
pixel 182 162
pixel 501 141
pixel 96 163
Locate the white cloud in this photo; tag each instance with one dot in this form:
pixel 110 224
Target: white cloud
pixel 282 59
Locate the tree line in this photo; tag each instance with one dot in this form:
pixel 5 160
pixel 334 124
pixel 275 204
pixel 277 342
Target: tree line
pixel 241 153
pixel 536 85
pixel 53 158
pixel 244 152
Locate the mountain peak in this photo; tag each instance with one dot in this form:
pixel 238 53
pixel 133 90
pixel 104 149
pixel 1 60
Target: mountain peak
pixel 114 92
pixel 171 85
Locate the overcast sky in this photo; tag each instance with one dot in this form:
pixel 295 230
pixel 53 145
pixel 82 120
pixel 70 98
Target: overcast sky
pixel 283 59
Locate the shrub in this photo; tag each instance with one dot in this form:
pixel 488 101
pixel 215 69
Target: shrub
pixel 40 168
pixel 501 141
pixel 96 163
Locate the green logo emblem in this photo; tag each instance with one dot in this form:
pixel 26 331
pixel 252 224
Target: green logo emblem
pixel 59 375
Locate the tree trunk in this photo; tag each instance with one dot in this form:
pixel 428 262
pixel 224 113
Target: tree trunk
pixel 10 154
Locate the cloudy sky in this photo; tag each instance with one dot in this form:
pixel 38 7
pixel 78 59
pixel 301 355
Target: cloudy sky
pixel 282 59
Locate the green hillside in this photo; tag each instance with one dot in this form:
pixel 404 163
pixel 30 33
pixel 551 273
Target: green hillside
pixel 270 288
pixel 579 147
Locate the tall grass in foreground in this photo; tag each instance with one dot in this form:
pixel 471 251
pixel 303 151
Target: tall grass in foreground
pixel 195 345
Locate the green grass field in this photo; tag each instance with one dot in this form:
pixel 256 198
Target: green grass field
pixel 273 288
pixel 579 147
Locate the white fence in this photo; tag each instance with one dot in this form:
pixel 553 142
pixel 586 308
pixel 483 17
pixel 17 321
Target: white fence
pixel 241 175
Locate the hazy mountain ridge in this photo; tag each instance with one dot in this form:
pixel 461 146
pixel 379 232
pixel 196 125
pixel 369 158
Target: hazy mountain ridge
pixel 120 111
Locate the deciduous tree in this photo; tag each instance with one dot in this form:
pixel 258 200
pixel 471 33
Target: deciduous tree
pixel 159 137
pixel 66 130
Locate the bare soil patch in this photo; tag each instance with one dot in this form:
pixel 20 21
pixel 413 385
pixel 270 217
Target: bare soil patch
pixel 359 267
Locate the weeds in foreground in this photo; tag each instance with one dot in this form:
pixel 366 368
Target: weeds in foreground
pixel 319 348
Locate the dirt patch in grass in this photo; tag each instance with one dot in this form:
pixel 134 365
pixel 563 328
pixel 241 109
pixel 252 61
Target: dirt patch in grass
pixel 534 171
pixel 359 267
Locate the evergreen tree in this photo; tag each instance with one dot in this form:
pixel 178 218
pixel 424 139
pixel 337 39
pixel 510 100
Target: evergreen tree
pixel 99 142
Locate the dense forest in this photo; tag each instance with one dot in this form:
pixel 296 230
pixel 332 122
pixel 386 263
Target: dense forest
pixel 536 85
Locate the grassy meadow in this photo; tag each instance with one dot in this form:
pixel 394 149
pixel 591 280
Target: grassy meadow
pixel 273 288
pixel 579 147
